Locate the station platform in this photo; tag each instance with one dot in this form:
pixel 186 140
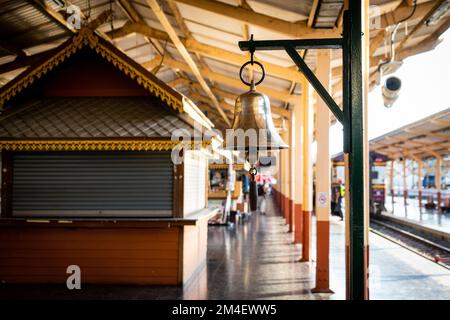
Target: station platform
pixel 427 217
pixel 256 259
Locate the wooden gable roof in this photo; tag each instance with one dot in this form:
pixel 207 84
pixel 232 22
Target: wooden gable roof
pixel 87 38
pixel 140 112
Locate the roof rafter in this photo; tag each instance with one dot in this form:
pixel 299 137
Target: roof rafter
pixel 403 11
pixel 313 13
pixel 226 94
pixel 242 14
pixel 290 73
pixel 221 78
pixel 185 54
pixel 419 25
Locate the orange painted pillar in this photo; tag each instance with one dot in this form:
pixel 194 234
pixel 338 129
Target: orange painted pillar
pixel 391 182
pixel 298 171
pixel 323 179
pixel 438 182
pixel 419 182
pixel 292 166
pixel 281 182
pixel 405 185
pixel 286 175
pixel 307 171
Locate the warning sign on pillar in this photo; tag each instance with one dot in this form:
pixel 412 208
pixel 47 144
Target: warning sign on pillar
pixel 322 200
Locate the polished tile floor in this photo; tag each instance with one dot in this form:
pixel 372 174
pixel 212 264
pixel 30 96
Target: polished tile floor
pixel 256 259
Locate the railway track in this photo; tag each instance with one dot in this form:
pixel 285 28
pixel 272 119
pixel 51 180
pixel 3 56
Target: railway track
pixel 433 249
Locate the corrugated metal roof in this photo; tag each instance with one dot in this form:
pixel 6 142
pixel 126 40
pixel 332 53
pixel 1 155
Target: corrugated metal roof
pixel 71 118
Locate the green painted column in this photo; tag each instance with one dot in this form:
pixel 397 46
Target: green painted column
pixel 354 148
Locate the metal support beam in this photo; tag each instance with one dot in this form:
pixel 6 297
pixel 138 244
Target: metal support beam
pixel 291 47
pixel 353 119
pixel 322 92
pixel 298 44
pixel 354 148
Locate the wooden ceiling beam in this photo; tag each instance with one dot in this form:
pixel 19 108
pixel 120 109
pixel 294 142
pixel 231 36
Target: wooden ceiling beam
pixel 425 45
pixel 431 134
pixel 12 49
pixel 23 62
pixel 227 107
pixel 129 10
pixel 242 14
pixel 402 12
pixel 56 16
pixel 290 73
pixel 375 43
pixel 61 20
pixel 418 26
pixel 135 17
pixel 226 94
pixel 313 13
pixel 442 122
pixel 194 69
pixel 229 81
pixel 184 28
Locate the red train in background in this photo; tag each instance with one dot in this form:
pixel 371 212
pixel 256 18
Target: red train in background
pixel 377 189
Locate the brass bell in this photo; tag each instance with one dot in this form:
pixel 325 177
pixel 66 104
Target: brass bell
pixel 253 129
pixel 252 112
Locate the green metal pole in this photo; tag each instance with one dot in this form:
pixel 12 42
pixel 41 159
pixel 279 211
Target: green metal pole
pixel 354 146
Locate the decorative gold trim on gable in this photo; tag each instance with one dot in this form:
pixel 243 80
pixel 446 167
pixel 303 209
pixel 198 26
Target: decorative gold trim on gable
pixel 87 37
pixel 97 145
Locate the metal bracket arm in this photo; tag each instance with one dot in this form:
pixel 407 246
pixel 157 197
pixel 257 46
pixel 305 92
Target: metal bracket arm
pixel 299 44
pixel 323 93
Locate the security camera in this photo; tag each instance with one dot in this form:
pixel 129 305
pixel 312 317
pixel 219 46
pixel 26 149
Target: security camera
pixel 391 90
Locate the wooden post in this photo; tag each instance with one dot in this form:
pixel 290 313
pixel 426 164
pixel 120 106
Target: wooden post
pixel 419 182
pixel 286 184
pixel 292 173
pixel 405 185
pixel 307 171
pixel 323 181
pixel 298 173
pixel 391 182
pixel 438 182
pixel 279 180
pixel 287 162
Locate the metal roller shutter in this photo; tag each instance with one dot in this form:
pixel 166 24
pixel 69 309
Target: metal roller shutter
pixel 92 184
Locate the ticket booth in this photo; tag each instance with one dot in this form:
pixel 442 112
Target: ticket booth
pixel 89 176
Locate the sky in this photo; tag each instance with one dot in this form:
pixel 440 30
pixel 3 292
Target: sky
pixel 425 91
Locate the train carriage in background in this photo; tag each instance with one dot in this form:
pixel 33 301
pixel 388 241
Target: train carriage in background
pixel 377 189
